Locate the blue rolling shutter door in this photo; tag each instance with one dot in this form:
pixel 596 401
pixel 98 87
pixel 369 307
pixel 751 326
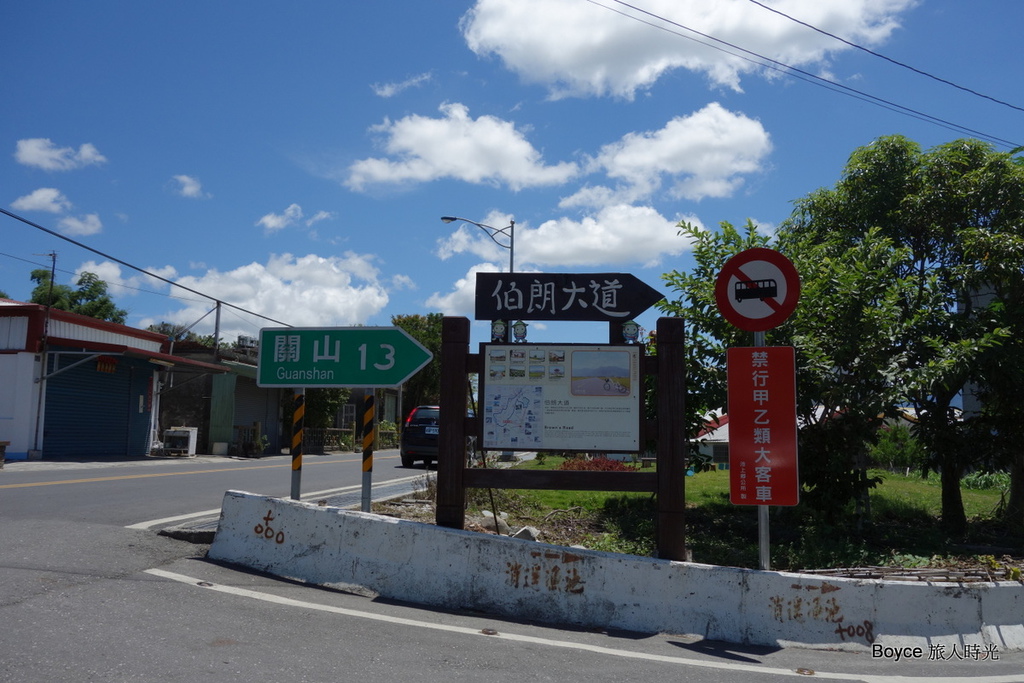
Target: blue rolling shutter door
pixel 92 413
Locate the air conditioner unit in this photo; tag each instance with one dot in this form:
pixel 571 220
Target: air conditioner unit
pixel 181 440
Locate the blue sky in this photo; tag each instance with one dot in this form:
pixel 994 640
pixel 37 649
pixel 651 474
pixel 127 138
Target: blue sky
pixel 294 159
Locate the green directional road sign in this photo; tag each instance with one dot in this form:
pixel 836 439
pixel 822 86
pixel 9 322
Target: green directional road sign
pixel 300 357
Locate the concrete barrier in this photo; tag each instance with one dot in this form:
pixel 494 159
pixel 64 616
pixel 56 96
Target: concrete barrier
pixel 430 565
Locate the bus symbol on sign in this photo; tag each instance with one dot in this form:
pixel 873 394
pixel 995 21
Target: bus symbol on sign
pixel 757 289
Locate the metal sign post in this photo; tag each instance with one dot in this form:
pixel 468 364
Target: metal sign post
pixel 764 549
pixel 368 438
pixel 298 417
pixel 336 357
pixel 756 291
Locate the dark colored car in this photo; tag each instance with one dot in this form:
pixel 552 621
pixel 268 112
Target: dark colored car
pixel 419 436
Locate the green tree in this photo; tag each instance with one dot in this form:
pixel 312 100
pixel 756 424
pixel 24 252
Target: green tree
pixel 179 333
pixel 423 388
pixel 897 450
pixel 939 209
pixel 1001 375
pixel 89 298
pixel 322 405
pixel 708 335
pixel 49 293
pixel 845 332
pixel 894 259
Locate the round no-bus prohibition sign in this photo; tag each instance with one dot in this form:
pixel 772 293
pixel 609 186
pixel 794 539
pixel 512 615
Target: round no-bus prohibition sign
pixel 757 289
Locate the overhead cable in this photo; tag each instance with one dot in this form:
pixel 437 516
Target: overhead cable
pixel 792 71
pixel 136 268
pixel 888 59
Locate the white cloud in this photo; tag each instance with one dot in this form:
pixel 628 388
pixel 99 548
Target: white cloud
pixel 616 235
pixel 461 300
pixel 119 285
pixel 42 153
pixel 273 222
pixel 189 186
pixel 392 89
pixel 44 199
pixel 473 240
pixel 86 225
pixel 580 49
pixel 304 291
pixel 402 282
pixel 319 216
pixel 702 155
pixel 482 150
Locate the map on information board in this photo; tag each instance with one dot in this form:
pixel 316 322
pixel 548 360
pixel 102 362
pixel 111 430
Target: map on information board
pixel 578 397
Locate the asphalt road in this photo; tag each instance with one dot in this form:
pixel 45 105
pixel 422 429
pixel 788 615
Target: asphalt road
pixel 89 592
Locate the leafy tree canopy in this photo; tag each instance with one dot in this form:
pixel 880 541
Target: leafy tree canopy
pixel 950 224
pixel 912 270
pixel 423 388
pixel 89 297
pixel 180 333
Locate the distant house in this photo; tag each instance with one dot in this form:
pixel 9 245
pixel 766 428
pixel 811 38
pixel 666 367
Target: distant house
pixel 713 439
pixel 232 414
pixel 75 386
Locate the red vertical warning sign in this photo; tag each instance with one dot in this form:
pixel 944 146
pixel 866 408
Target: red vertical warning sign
pixel 762 426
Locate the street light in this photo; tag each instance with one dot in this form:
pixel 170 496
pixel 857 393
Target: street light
pixel 509 231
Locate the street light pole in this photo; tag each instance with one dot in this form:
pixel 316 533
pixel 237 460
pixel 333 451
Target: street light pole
pixel 508 231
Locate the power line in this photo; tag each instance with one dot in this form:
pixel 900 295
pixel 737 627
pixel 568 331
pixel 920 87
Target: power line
pixel 794 72
pixel 888 59
pixel 120 285
pixel 136 268
pixel 33 263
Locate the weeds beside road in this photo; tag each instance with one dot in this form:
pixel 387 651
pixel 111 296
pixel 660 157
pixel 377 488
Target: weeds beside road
pixel 904 529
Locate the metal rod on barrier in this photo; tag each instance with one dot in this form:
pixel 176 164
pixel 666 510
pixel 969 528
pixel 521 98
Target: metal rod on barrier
pixel 368 438
pixel 297 421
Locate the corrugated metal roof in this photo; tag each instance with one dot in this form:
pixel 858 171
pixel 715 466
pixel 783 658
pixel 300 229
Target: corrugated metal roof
pixel 73 331
pixel 243 369
pixel 13 332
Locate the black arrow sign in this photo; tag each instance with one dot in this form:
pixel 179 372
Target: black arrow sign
pixel 562 296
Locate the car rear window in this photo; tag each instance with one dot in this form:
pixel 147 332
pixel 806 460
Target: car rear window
pixel 425 416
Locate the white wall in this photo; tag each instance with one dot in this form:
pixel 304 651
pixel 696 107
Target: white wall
pixel 431 565
pixel 19 400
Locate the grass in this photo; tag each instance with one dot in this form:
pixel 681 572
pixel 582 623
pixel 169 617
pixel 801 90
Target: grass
pixel 904 527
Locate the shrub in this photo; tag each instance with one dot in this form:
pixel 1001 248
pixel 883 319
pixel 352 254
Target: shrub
pixel 987 480
pixel 599 464
pixel 897 449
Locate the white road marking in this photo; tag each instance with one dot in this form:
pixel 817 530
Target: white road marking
pixel 170 520
pixel 597 649
pixel 306 496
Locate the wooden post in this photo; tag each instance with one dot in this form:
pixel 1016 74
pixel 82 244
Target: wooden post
pixel 671 529
pixel 451 456
pixel 615 332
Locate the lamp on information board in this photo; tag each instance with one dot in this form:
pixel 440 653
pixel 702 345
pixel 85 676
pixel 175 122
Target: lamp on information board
pixel 508 231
